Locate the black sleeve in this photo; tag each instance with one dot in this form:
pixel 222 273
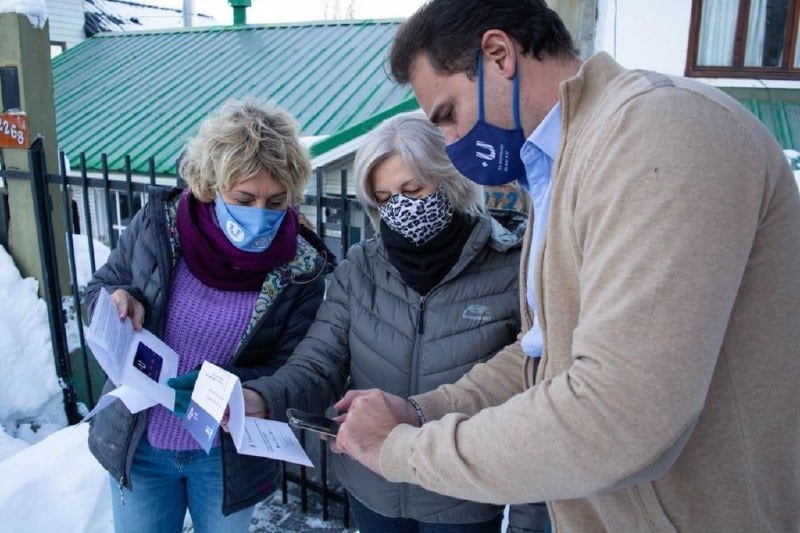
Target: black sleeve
pixel 318 370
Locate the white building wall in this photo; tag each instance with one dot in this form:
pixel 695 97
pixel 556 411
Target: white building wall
pixel 646 34
pixel 654 35
pixel 66 21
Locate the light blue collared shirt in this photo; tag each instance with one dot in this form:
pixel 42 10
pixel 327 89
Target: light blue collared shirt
pixel 538 154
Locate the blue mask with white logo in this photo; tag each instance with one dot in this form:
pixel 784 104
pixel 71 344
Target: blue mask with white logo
pixel 489 155
pixel 250 229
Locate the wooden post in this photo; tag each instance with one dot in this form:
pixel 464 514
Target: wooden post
pixel 25 59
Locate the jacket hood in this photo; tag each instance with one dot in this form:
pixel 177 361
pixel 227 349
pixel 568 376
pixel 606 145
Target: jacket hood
pixel 327 259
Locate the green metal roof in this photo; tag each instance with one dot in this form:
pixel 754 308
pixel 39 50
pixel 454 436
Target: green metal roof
pixel 144 93
pixel 777 108
pixel 782 119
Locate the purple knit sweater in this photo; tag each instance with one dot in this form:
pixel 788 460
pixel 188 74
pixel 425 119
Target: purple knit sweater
pixel 203 324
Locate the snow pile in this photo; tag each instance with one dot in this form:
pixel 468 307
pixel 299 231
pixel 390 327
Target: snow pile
pixel 31 401
pixel 35 10
pixel 55 485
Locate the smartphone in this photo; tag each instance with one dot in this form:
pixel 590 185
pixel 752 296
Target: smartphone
pixel 317 423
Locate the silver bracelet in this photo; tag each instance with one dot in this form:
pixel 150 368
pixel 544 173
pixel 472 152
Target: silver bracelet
pixel 420 412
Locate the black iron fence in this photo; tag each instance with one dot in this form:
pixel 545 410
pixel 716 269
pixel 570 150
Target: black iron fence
pixel 81 377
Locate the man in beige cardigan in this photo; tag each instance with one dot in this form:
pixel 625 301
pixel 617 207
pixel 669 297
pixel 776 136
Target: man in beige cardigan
pixel 664 262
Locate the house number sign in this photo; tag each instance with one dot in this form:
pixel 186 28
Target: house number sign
pixel 13 130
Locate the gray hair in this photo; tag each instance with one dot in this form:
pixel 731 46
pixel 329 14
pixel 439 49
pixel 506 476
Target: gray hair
pixel 238 141
pixel 421 146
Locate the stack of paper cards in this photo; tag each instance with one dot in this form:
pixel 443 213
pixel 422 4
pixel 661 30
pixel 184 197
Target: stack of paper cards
pixel 140 364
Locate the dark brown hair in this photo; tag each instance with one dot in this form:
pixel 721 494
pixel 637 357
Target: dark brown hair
pixel 450 32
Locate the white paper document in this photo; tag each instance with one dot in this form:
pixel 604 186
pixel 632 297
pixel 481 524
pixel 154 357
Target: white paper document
pixel 276 440
pixel 216 389
pixel 138 362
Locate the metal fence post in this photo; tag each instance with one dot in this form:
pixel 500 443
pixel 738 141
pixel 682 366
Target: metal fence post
pixel 319 204
pixel 87 213
pixel 112 241
pixel 76 295
pixel 3 222
pixel 44 227
pixel 344 223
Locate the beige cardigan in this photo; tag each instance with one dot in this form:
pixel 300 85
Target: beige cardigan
pixel 668 394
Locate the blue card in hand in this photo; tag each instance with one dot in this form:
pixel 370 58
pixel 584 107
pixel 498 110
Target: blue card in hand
pixel 201 425
pixel 148 362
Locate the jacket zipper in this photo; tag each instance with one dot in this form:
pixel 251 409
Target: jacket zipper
pixel 527 252
pixel 125 465
pixel 421 316
pixel 404 492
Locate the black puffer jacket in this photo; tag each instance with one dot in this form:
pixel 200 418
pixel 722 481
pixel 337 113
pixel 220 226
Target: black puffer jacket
pixel 378 332
pixel 143 264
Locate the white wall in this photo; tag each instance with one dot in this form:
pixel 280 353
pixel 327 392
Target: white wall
pixel 648 34
pixel 66 21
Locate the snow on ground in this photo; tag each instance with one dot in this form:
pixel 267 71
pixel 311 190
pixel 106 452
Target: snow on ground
pixel 55 485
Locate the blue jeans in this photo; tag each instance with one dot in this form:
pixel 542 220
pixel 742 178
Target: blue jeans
pixel 165 484
pixel 369 521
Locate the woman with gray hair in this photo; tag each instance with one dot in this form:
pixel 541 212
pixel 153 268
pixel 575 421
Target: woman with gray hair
pixel 416 306
pixel 222 272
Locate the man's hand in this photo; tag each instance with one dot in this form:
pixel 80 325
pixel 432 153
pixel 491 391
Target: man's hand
pixel 371 416
pixel 128 306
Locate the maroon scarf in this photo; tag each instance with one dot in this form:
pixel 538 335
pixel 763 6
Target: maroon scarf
pixel 215 261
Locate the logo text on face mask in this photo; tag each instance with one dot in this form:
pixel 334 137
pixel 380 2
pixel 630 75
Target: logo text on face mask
pixel 235 231
pixel 250 229
pixel 487 154
pixel 495 161
pixel 503 161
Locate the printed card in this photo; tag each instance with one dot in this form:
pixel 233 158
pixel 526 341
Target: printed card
pixel 217 389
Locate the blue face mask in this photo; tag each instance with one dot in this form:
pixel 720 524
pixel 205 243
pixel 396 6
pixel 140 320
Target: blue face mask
pixel 489 155
pixel 250 229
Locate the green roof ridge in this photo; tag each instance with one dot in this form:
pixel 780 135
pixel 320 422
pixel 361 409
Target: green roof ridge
pixel 357 130
pixel 248 27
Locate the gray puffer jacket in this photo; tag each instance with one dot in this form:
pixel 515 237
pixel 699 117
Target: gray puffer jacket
pixel 143 264
pixel 378 332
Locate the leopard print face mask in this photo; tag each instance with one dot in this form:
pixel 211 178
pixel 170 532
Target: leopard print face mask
pixel 417 219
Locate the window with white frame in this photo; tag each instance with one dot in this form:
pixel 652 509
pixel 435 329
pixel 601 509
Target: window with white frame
pixel 744 38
